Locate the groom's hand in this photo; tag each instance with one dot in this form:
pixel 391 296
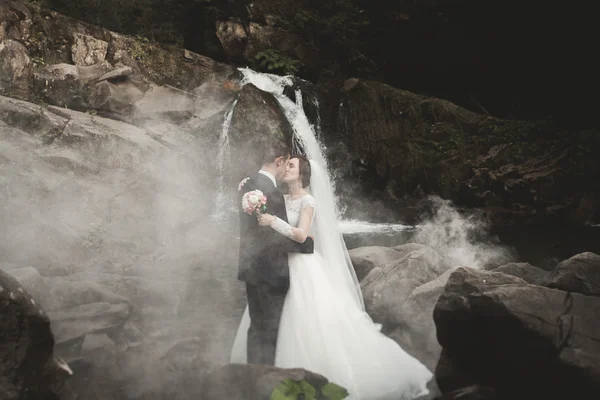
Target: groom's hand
pixel 308 246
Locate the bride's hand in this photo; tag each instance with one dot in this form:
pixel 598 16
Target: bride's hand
pixel 265 219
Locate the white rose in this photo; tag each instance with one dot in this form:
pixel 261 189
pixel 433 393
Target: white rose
pixel 253 199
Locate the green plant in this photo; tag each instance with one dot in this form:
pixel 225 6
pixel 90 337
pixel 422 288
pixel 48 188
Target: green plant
pixel 37 62
pixel 291 390
pixel 273 60
pixel 332 391
pixel 295 390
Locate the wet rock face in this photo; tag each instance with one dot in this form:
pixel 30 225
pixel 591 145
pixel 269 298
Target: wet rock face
pixel 257 119
pixel 28 368
pixel 521 339
pixel 57 53
pixel 395 146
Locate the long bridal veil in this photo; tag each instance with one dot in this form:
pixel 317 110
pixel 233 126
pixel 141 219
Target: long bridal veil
pixel 329 241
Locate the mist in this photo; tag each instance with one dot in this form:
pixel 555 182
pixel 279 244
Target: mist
pixel 107 204
pixel 462 238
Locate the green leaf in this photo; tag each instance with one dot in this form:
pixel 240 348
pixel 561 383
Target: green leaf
pixel 291 390
pixel 334 392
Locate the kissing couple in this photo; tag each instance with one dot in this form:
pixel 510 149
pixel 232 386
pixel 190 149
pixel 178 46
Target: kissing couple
pixel 305 308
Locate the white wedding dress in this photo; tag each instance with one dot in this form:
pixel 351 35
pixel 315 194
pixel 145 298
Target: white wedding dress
pixel 324 331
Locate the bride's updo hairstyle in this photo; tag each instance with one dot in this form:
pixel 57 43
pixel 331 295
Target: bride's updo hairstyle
pixel 304 169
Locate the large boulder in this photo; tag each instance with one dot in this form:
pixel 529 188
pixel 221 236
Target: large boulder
pixel 28 368
pixel 367 258
pixel 416 332
pixel 87 50
pixel 578 274
pixel 525 341
pixel 525 271
pixel 67 85
pixel 257 119
pixel 387 287
pixel 15 69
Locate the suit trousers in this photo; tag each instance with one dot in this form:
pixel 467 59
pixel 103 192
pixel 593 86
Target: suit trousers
pixel 265 304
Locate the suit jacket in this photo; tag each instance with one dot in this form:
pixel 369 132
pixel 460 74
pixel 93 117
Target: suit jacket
pixel 263 251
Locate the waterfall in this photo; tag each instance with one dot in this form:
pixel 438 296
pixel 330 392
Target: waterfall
pixel 223 158
pixel 304 131
pixel 307 136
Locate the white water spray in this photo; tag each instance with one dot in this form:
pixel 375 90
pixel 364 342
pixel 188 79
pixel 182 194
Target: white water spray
pixel 223 161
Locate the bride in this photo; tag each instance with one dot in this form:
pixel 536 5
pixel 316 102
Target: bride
pixel 324 327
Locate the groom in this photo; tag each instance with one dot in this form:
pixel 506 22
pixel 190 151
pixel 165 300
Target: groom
pixel 263 257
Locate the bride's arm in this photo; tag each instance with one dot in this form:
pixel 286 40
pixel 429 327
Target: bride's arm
pixel 298 234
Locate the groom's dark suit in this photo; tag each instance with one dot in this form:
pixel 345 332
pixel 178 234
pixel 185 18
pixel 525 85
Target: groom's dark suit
pixel 264 268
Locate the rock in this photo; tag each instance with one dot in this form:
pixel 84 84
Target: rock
pixel 164 103
pixel 257 118
pixel 27 361
pixel 67 85
pixel 35 285
pixel 349 84
pixel 365 259
pixel 115 74
pixel 67 159
pixel 524 341
pixel 404 249
pixel 254 382
pixel 233 37
pixel 386 288
pixel 525 271
pixel 84 127
pixel 66 293
pixel 146 294
pixel 244 43
pixel 90 74
pixel 473 392
pixel 87 50
pixel 416 331
pixel 76 322
pixel 389 142
pixel 34 38
pixel 30 117
pixel 59 85
pixel 15 69
pixel 99 349
pixel 115 98
pixel 152 63
pixel 214 96
pixel 579 274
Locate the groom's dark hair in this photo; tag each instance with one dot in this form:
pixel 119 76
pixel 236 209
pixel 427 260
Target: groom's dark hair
pixel 273 150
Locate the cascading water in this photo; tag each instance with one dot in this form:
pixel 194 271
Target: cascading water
pixel 304 132
pixel 305 135
pixel 222 200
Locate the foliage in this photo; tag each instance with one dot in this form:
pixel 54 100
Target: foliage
pixel 332 391
pixel 333 26
pixel 293 390
pixel 274 61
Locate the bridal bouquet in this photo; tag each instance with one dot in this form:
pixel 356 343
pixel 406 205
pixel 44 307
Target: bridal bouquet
pixel 254 201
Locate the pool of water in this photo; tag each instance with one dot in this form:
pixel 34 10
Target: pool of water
pixel 362 233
